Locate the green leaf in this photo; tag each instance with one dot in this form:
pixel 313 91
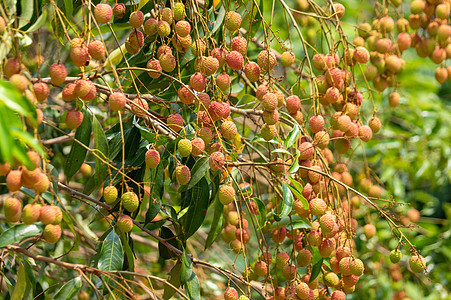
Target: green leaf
pixel 101 145
pixel 27 8
pixel 316 269
pixel 287 202
pixel 21 284
pixel 219 19
pixel 171 239
pixel 174 280
pixel 17 233
pixel 111 254
pixel 40 21
pixel 302 223
pixel 77 153
pixel 68 8
pixel 297 189
pixel 197 173
pixel 292 136
pixel 198 198
pixel 69 289
pixel 281 151
pixel 13 100
pixel 216 224
pixel 261 211
pixel 189 278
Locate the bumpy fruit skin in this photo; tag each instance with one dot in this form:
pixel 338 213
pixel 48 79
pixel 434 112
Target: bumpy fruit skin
pixel 226 194
pixel 230 294
pixel 175 122
pixel 178 11
pixel 42 184
pixel 220 54
pixel 183 28
pixel 303 290
pixel 2 25
pixel 12 209
pixel 261 268
pixel 134 42
pixel 182 174
pixel 41 91
pixel 151 27
pixel 268 132
pixel 252 71
pixel 239 44
pixel 14 180
pixel 205 134
pixel 139 107
pixel 163 28
pixel 124 223
pixel 167 62
pixel 74 118
pixel 68 93
pixel 223 81
pixel 31 213
pixel 304 258
pixel 369 230
pixel 52 233
pixel 19 81
pixel 338 295
pixel 184 147
pixel 117 101
pixel 154 64
pixel 136 19
pixel 103 13
pixel 198 82
pixel 287 59
pixel 232 21
pixel 119 10
pixel 58 73
pixel 80 56
pixel 198 146
pixel 317 207
pixel 152 158
pixel 357 267
pixel 130 201
pixel 270 117
pixel 5 169
pixel 282 259
pixel 216 161
pixel 110 194
pixel 266 60
pixel 228 130
pixel 96 50
pixel 270 102
pixel 395 256
pixel 235 60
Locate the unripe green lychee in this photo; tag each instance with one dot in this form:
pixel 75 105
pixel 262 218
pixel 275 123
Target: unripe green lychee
pixel 223 81
pixel 74 118
pixel 182 28
pixel 304 258
pixel 31 213
pixel 282 259
pixel 269 101
pixel 124 223
pixel 182 174
pixel 395 256
pixel 178 11
pixel 303 290
pixel 184 147
pixel 232 21
pixel 152 158
pixel 252 71
pixel 96 50
pixel 136 19
pixel 80 56
pixel 19 81
pixel 167 62
pixel 130 201
pixel 41 91
pixel 119 10
pixel 175 122
pixel 139 107
pixel 230 294
pixel 205 134
pixel 198 47
pixel 270 117
pixel 268 132
pixel 12 209
pixel 235 60
pixel 287 59
pixel 103 13
pixel 261 268
pixel 117 101
pixel 151 26
pixel 228 130
pixel 216 161
pixel 239 43
pixel 52 233
pixel 166 15
pixel 356 267
pixel 14 180
pixel 226 194
pixel 110 194
pixel 331 279
pixel 266 60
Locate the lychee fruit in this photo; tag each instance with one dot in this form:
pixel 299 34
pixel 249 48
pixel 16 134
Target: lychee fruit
pixel 175 122
pixel 5 169
pixel 103 13
pixel 230 294
pixel 91 94
pixel 31 213
pixel 306 151
pixel 365 133
pixel 151 27
pixel 136 19
pixel 228 130
pixel 252 71
pixel 317 207
pixel 186 95
pixel 184 147
pixel 331 279
pixel 124 223
pixel 235 60
pixel 395 256
pixel 327 222
pixel 183 28
pixel 2 25
pixel 338 295
pixel 361 55
pixel 48 214
pixel 14 180
pixel 293 104
pixel 139 107
pixel 268 132
pixel 239 44
pixel 182 44
pixel 12 66
pixel 68 93
pixel 110 194
pixel 82 87
pixel 282 259
pixel 304 258
pixel 279 234
pixel 266 60
pixel 167 62
pixel 369 230
pixel 226 194
pixel 223 81
pixel 119 10
pixel 209 65
pixel 52 233
pixel 321 139
pixel 216 161
pixel 198 82
pixel 19 81
pixel 74 118
pixel 130 201
pixel 232 21
pixel 270 117
pixel 182 174
pixel 152 158
pixel 154 64
pixel 316 123
pixel 269 101
pixel 289 272
pixel 12 209
pixel 220 54
pixel 205 134
pixel 198 146
pixel 326 247
pixel 41 91
pixel 202 101
pixel 42 183
pixel 117 101
pixel 96 50
pixel 261 268
pixel 80 56
pixel 134 42
pixel 356 267
pixel 303 290
pixel 287 59
pixel 166 15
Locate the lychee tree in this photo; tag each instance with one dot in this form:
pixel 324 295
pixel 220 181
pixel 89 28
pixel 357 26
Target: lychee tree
pixel 204 149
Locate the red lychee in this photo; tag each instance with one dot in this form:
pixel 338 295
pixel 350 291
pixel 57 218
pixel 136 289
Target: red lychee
pixel 41 91
pixel 232 21
pixel 293 104
pixel 117 101
pixel 12 209
pixel 239 44
pixel 182 28
pixel 266 60
pixel 198 146
pixel 139 107
pixel 186 95
pixel 182 174
pixel 19 81
pixel 96 50
pixel 223 81
pixel 80 56
pixel 152 158
pixel 252 71
pixel 168 62
pixel 228 130
pixel 235 60
pixel 175 122
pixel 151 27
pixel 134 42
pixel 204 101
pixel 198 82
pixel 306 151
pixel 124 223
pixel 216 161
pixel 269 102
pixel 119 10
pixel 12 66
pixel 103 13
pixel 136 19
pixel 205 134
pixel 220 54
pixel 68 93
pixel 154 64
pixel 74 118
pixel 230 294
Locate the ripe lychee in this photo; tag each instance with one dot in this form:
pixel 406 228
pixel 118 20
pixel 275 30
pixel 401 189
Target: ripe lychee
pixel 134 42
pixel 182 28
pixel 317 207
pixel 154 64
pixel 270 117
pixel 216 161
pixel 282 259
pixel 5 169
pixel 68 93
pixel 365 133
pixel 268 132
pixel 110 194
pixel 316 123
pixel 205 134
pixel 252 71
pixel 287 59
pixel 356 267
pixel 278 235
pixel 232 21
pixel 119 10
pixel 2 25
pixel 293 104
pixel 181 44
pixel 306 151
pixel 203 119
pixel 96 50
pixel 12 66
pixel 239 43
pixel 175 122
pixel 74 118
pixel 151 27
pixel 130 201
pixel 230 294
pixel 223 81
pixel 235 60
pixel 80 56
pixel 209 65
pixel 41 91
pixel 139 107
pixel 52 233
pixel 12 209
pixel 166 15
pixel 266 60
pixel 48 214
pixel 152 158
pixel 228 130
pixel 167 62
pixel 186 95
pixel 198 82
pixel 269 101
pixel 303 290
pixel 103 13
pixel 41 184
pixel 327 222
pixel 226 194
pixel 220 54
pixel 321 139
pixel 304 258
pixel 19 81
pixel 14 180
pixel 82 87
pixel 369 230
pixel 31 213
pixel 124 223
pixel 361 55
pixel 261 268
pixel 198 146
pixel 202 101
pixel 326 247
pixel 182 174
pixel 136 19
pixel 117 101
